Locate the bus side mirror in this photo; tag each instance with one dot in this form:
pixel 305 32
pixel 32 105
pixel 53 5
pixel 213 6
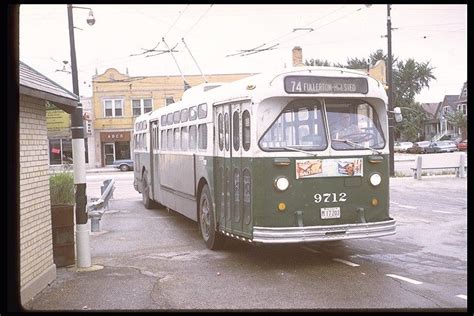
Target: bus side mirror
pixel 398 114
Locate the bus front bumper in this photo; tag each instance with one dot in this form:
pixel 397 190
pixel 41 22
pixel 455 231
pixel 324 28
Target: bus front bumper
pixel 275 235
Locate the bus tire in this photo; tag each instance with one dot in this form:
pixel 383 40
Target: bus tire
pixel 213 239
pixel 147 202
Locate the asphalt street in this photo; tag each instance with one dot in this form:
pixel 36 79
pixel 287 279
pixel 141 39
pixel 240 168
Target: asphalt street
pixel 156 260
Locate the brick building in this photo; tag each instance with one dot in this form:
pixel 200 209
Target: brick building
pixel 37 268
pixel 118 98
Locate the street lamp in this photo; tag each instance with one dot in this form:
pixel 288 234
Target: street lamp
pixel 390 92
pixel 78 153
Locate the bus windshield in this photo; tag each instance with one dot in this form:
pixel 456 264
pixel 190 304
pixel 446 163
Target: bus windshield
pixel 299 126
pixel 353 124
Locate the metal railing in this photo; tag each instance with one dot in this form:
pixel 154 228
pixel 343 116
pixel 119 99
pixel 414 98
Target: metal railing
pixel 97 207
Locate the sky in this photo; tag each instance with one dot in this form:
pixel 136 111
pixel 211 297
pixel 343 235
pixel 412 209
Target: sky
pixel 215 35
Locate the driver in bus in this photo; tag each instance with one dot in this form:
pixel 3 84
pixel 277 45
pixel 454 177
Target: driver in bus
pixel 343 127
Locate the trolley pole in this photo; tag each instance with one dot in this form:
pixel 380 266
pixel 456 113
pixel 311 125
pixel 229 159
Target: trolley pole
pixel 79 165
pixel 391 120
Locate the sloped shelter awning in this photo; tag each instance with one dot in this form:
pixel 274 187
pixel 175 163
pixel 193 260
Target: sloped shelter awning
pixel 36 85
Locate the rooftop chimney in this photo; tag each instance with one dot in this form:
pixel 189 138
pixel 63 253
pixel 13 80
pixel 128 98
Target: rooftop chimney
pixel 297 56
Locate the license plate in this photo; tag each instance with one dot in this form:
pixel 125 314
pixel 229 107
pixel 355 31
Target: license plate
pixel 330 212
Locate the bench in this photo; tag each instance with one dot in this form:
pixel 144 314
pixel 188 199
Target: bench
pixel 433 163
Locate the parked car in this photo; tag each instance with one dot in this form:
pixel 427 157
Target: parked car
pixel 462 145
pixel 444 146
pixel 422 147
pixel 123 164
pixel 402 147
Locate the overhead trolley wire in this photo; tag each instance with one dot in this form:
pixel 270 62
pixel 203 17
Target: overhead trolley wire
pixel 202 16
pixel 321 26
pixel 174 23
pixel 259 48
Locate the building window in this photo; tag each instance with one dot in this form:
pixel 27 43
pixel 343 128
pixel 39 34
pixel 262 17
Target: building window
pixel 169 100
pixel 113 108
pixel 141 106
pixel 60 151
pixel 462 108
pixel 88 127
pixel 446 109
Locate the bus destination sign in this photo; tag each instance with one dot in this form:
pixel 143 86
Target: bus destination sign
pixel 313 84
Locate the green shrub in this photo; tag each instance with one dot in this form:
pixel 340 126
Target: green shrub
pixel 61 187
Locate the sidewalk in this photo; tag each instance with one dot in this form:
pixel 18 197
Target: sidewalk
pixel 102 169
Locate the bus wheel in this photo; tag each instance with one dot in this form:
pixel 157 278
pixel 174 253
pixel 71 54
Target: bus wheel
pixel 145 192
pixel 213 239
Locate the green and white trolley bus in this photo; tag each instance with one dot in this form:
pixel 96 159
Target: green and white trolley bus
pixel 299 155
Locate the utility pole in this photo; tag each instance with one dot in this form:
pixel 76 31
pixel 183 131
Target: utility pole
pixel 391 120
pixel 78 156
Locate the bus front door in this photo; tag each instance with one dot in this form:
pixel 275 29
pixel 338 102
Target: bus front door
pixel 236 167
pixel 240 173
pixel 222 167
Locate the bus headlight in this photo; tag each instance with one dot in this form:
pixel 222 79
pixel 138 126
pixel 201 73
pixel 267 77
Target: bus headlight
pixel 282 183
pixel 375 179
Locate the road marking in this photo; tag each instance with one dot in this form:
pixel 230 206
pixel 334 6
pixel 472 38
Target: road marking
pixel 407 206
pixel 352 264
pixel 404 279
pixel 394 203
pixel 444 212
pixel 310 249
pixel 464 297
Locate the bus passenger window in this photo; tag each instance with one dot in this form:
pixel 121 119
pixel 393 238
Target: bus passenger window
pixel 184 138
pixel 246 130
pixel 235 130
pixel 226 130
pixel 176 117
pixel 169 134
pixel 184 115
pixel 163 120
pixel 202 136
pixel 176 139
pixel 169 119
pixel 163 140
pixel 192 136
pixel 202 110
pixel 220 130
pixel 192 113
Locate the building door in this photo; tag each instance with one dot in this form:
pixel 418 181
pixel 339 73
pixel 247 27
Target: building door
pixel 109 152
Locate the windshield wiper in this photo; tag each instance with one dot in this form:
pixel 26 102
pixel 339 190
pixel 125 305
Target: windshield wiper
pixel 300 150
pixel 346 141
pixel 295 149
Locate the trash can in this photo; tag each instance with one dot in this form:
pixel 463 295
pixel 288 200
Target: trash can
pixel 62 220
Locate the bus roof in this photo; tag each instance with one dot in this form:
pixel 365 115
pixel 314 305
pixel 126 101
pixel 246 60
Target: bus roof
pixel 262 85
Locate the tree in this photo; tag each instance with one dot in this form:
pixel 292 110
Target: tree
pixel 458 119
pixel 356 63
pixel 317 62
pixel 409 78
pixel 411 128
